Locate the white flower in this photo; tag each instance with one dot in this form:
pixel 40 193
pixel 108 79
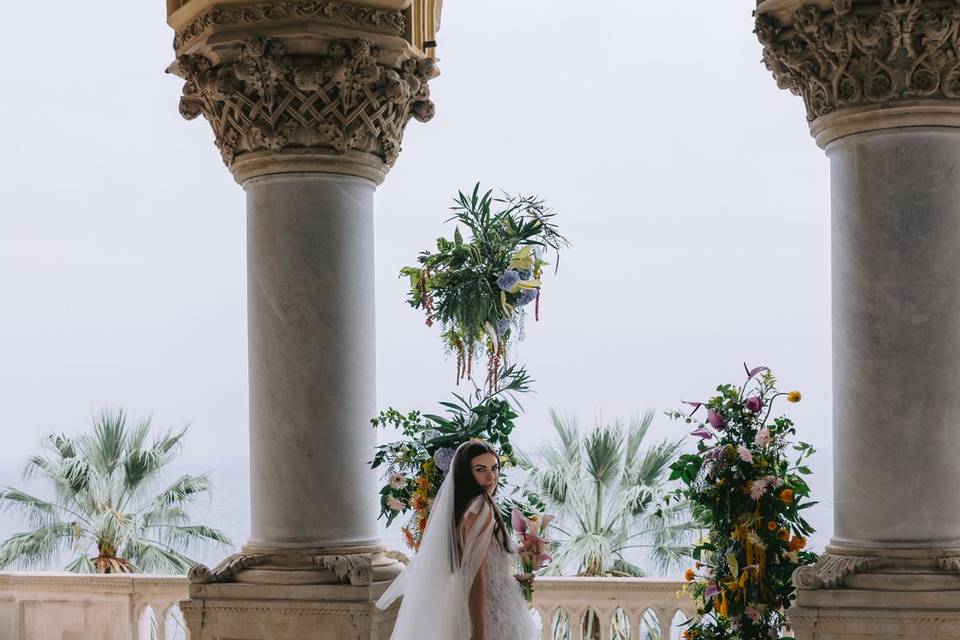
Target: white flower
pixel 745 454
pixel 755 612
pixel 792 556
pixel 773 481
pixel 758 488
pixel 395 504
pixel 398 481
pixel 763 437
pixel 755 540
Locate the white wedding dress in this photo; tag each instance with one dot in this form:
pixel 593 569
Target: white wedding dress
pixel 506 615
pixel 435 586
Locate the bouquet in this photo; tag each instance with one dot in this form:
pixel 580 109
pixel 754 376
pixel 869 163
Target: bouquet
pixel 533 545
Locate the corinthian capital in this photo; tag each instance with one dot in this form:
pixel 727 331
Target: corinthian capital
pixel 303 86
pixel 865 65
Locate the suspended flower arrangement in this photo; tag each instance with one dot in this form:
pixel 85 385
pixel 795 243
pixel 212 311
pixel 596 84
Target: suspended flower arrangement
pixel 479 288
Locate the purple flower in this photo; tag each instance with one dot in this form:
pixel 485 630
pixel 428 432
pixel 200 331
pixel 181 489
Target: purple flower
pixel 712 590
pixel 716 420
pixel 754 403
pixel 754 371
pixel 525 274
pixel 703 434
pixel 508 280
pixel 518 521
pixel 443 457
pixel 526 297
pixel 503 325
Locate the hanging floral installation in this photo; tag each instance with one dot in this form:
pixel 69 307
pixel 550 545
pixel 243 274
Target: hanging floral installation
pixel 749 495
pixel 478 289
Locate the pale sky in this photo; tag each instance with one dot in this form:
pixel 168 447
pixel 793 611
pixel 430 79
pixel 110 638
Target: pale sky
pixel 696 201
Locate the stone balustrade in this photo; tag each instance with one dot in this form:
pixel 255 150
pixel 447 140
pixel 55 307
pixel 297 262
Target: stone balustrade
pixel 65 606
pixel 635 608
pixel 68 606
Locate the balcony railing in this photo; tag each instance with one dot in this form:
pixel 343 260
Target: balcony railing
pixel 57 606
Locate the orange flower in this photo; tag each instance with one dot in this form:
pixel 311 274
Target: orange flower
pixel 408 538
pixel 421 524
pixel 793 396
pixel 783 534
pixel 697 564
pixel 786 495
pixel 689 575
pixel 420 501
pixel 798 542
pixel 423 482
pixel 771 526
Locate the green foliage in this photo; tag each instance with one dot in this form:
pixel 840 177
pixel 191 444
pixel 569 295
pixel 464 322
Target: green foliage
pixel 747 489
pixel 107 499
pixel 603 487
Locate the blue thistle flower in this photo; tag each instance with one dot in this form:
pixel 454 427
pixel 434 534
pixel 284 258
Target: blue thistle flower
pixel 503 325
pixel 443 457
pixel 525 274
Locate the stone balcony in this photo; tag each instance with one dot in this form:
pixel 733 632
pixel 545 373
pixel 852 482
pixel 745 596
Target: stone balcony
pixel 64 606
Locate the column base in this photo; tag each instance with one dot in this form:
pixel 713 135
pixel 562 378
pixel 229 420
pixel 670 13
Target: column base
pixel 861 594
pixel 293 594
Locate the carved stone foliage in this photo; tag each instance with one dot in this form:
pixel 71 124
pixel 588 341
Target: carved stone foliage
pixel 227 570
pixel 354 569
pixel 831 570
pixel 391 22
pixel 336 101
pixel 866 53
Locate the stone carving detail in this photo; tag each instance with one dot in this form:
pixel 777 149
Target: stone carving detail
pixel 392 22
pixel 227 570
pixel 831 570
pixel 951 564
pixel 352 569
pixel 339 101
pixel 859 54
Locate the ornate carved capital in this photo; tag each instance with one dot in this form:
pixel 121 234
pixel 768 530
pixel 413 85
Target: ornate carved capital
pixel 338 109
pixel 865 65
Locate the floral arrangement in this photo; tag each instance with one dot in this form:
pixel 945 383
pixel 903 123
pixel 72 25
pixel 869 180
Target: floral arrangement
pixel 749 495
pixel 478 287
pixel 531 532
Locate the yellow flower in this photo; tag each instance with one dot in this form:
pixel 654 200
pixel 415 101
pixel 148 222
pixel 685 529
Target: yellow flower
pixel 522 259
pixel 793 396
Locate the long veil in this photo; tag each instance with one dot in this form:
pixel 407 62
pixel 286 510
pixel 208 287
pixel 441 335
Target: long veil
pixel 433 585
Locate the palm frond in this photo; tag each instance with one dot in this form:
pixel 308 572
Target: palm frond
pixel 36 548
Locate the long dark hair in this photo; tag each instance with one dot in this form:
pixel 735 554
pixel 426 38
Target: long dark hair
pixel 466 487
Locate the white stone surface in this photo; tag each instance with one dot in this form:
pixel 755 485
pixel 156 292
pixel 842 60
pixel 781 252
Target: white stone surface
pixel 896 337
pixel 312 360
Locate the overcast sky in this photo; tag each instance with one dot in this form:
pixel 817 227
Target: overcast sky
pixel 695 199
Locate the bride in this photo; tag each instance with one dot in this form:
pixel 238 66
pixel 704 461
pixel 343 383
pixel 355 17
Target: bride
pixel 460 585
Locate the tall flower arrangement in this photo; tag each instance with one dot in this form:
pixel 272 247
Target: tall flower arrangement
pixel 748 492
pixel 477 287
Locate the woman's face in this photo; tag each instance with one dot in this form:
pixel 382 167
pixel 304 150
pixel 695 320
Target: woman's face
pixel 486 471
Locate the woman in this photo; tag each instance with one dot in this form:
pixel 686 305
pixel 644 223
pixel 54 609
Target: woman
pixel 460 585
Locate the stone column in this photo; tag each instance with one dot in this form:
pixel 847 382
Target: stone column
pixel 881 83
pixel 308 101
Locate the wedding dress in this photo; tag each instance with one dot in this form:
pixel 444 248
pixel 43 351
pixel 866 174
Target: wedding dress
pixel 436 584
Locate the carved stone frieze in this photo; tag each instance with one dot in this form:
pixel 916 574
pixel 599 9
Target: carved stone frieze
pixel 263 14
pixel 339 105
pixel 356 569
pixel 860 56
pixel 227 570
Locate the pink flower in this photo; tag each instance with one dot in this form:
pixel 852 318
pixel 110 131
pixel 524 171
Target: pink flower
pixel 745 454
pixel 398 481
pixel 518 521
pixel 757 488
pixel 716 420
pixel 763 437
pixel 395 504
pixel 754 404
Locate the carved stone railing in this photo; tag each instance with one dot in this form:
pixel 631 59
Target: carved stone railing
pixel 37 606
pixel 638 608
pixel 41 606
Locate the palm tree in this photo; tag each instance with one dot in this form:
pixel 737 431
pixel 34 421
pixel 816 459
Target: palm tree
pixel 604 492
pixel 108 497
